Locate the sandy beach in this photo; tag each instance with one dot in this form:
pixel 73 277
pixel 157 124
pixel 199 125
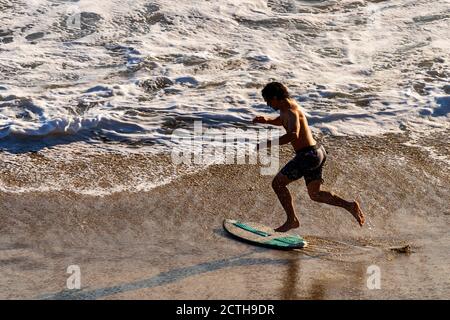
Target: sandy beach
pixel 168 242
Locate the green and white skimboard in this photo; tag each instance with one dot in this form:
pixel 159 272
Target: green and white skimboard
pixel 262 235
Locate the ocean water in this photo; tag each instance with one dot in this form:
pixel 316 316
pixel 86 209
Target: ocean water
pixel 83 77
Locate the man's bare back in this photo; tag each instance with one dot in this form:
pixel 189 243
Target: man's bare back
pixel 305 137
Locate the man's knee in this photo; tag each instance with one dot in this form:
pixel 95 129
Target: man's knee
pixel 315 195
pixel 277 184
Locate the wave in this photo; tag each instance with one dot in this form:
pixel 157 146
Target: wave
pixel 140 71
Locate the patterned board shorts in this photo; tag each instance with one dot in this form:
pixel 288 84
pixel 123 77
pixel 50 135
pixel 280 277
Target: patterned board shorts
pixel 308 163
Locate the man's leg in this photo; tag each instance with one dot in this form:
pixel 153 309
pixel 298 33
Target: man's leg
pixel 316 194
pixel 279 185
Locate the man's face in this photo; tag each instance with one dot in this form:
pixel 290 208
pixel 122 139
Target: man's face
pixel 270 103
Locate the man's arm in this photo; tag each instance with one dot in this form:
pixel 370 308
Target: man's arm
pixel 292 131
pixel 293 128
pixel 275 122
pixel 262 119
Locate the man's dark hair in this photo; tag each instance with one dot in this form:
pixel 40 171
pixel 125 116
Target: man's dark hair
pixel 275 90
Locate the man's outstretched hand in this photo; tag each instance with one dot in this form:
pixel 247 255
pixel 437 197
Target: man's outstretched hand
pixel 260 119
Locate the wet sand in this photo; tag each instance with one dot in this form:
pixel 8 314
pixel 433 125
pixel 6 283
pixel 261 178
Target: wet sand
pixel 168 243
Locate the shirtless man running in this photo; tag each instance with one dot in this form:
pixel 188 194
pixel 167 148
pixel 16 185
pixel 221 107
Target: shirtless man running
pixel 308 161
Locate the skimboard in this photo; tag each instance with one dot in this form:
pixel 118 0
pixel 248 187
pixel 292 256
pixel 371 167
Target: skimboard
pixel 262 235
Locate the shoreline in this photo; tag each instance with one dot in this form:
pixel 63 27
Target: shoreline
pixel 78 169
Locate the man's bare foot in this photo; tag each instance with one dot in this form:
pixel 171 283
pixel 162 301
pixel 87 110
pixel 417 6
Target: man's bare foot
pixel 288 225
pixel 355 210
